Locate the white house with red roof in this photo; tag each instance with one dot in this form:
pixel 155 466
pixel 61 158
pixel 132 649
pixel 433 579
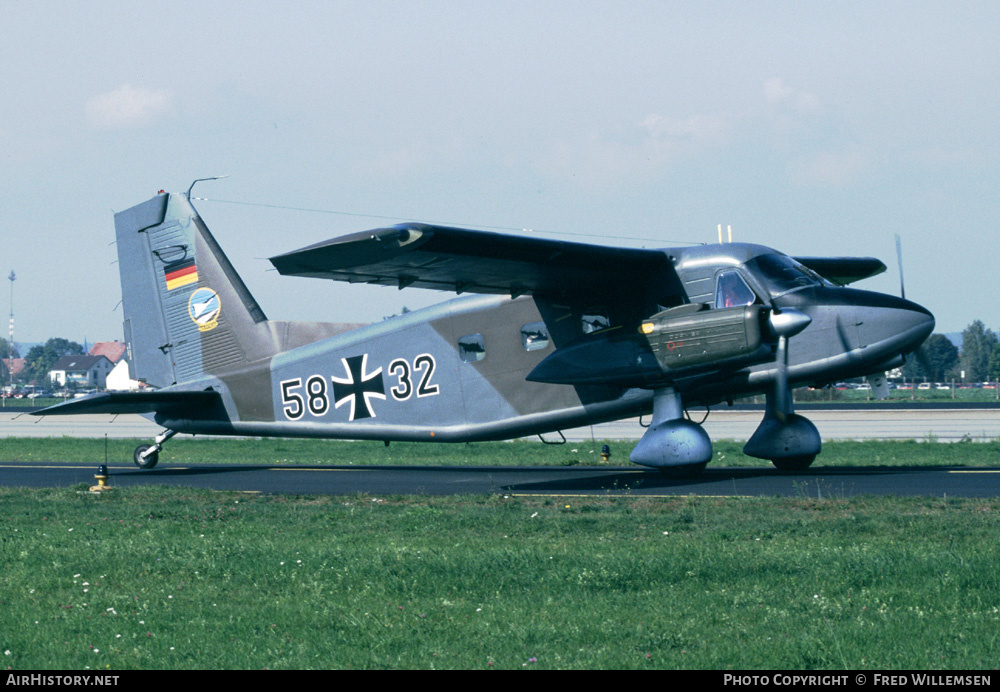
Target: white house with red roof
pixel 119 378
pixel 112 350
pixel 83 371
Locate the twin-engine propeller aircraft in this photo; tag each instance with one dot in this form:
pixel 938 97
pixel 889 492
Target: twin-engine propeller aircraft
pixel 558 335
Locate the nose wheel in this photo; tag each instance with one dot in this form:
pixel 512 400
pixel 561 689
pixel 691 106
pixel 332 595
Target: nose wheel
pixel 788 440
pixel 799 463
pixel 146 456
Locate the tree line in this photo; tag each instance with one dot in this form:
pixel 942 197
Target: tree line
pixel 939 360
pixel 40 359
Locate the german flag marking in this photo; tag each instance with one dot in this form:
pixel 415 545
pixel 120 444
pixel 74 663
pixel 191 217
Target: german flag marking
pixel 181 274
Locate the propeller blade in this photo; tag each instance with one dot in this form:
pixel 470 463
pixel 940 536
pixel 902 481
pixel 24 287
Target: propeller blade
pixel 899 262
pixel 782 393
pixel 928 370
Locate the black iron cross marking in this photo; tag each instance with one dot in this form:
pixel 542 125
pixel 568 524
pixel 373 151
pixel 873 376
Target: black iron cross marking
pixel 358 386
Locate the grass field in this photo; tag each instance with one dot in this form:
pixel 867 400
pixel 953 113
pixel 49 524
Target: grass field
pixel 153 578
pixel 170 578
pixel 902 396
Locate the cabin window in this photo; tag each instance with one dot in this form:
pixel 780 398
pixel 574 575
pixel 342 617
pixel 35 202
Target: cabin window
pixel 472 348
pixel 594 322
pixel 732 291
pixel 534 336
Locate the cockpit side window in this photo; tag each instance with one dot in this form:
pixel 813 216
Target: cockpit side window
pixel 732 291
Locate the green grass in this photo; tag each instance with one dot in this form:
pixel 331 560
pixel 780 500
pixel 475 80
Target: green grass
pixel 278 452
pixel 176 578
pixel 172 578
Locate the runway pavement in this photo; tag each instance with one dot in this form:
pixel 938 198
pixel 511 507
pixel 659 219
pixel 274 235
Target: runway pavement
pixel 946 425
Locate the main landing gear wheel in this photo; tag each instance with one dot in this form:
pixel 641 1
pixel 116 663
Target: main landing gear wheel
pixel 673 445
pixel 794 463
pixel 147 462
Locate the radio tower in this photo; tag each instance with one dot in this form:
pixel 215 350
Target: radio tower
pixel 10 334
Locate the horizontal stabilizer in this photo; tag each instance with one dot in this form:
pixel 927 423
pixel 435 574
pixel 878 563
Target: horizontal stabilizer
pixel 191 404
pixel 844 270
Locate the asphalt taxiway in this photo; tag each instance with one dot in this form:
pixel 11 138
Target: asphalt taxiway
pixel 829 482
pixel 837 423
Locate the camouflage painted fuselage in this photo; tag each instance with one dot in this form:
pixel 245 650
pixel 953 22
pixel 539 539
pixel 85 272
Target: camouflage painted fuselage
pixel 462 370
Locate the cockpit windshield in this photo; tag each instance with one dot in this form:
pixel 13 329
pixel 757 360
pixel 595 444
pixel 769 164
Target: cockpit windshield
pixel 781 274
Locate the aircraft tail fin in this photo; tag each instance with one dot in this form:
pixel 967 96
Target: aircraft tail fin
pixel 187 312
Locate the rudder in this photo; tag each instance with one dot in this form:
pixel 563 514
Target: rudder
pixel 187 312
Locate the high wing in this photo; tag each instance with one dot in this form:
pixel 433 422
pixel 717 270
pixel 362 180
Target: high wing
pixel 843 270
pixel 468 261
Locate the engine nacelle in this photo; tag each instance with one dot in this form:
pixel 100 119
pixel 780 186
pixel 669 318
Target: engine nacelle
pixel 678 342
pixel 689 335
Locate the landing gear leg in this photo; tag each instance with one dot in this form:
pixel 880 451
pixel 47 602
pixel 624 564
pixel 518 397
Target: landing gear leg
pixel 672 443
pixel 146 456
pixel 790 441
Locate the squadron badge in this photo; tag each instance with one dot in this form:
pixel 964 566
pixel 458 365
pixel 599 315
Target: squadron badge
pixel 204 308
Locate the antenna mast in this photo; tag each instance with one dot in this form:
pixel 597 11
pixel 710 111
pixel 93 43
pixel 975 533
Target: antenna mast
pixel 10 334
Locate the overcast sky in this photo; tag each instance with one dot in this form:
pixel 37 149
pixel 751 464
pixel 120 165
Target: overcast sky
pixel 817 128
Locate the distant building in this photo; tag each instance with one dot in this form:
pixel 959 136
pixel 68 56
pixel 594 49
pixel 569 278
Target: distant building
pixel 83 371
pixel 10 366
pixel 112 350
pixel 119 379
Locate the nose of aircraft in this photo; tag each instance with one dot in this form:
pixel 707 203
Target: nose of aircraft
pixel 894 325
pixel 866 329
